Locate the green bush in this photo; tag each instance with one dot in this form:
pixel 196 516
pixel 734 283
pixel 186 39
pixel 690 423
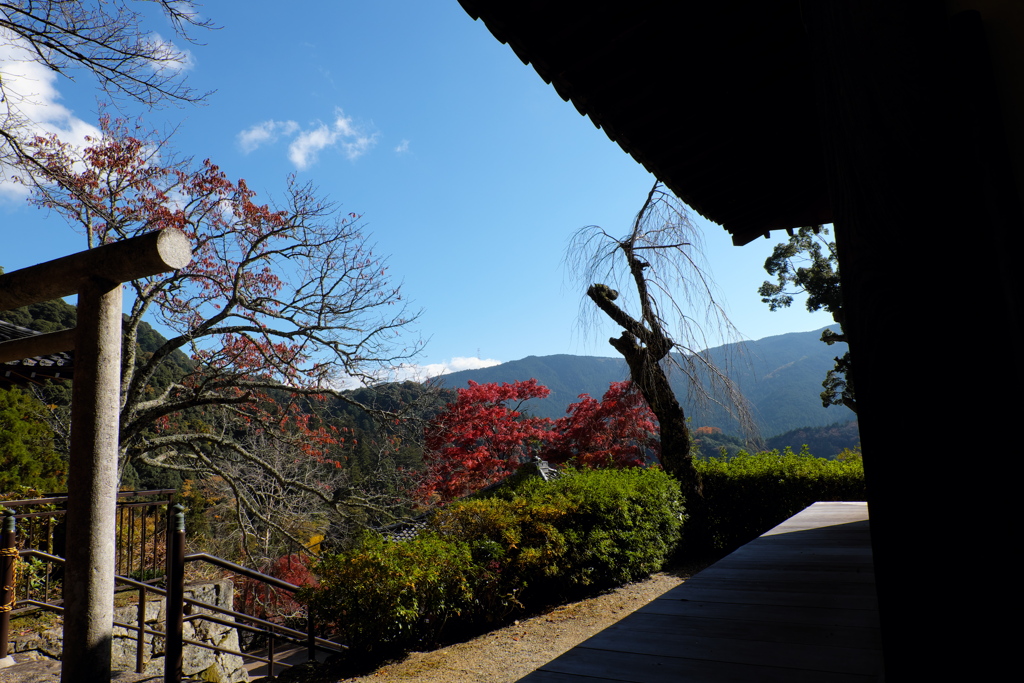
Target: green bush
pixel 749 494
pixel 517 546
pixel 387 593
pixel 620 525
pixel 523 545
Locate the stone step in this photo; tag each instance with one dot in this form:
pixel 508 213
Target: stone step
pixel 290 656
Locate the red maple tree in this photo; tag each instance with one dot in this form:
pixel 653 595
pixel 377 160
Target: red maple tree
pixel 480 438
pixel 618 431
pixel 483 436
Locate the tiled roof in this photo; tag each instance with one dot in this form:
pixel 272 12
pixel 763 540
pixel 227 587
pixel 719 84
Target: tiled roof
pixel 32 370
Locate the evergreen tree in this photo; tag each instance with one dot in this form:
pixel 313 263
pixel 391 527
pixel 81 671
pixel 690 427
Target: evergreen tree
pixel 808 263
pixel 27 457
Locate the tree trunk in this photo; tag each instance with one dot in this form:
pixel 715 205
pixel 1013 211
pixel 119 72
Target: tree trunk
pixel 650 378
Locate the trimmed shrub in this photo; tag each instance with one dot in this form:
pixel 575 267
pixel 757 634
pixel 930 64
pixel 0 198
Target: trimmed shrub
pixel 749 494
pixel 517 546
pixel 620 525
pixel 385 594
pixel 521 546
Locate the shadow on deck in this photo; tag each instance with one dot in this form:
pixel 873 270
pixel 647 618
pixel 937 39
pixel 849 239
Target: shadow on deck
pixel 797 604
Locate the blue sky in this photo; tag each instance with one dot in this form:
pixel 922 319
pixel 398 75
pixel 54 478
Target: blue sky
pixel 471 173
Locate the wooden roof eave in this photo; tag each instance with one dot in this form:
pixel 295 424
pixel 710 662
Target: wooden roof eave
pixel 695 152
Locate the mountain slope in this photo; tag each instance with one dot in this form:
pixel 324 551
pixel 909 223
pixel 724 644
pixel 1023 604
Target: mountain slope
pixel 780 376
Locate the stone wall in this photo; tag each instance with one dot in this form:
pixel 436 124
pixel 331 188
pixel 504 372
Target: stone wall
pixel 197 662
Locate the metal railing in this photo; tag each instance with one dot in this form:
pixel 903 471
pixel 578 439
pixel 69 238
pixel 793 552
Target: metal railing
pixel 179 609
pixel 140 552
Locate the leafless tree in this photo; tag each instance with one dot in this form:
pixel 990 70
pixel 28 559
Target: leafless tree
pixel 659 261
pixel 102 39
pixel 280 498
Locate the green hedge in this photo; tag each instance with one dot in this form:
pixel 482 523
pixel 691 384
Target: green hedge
pixel 749 494
pixel 487 558
pixel 533 542
pixel 384 592
pixel 620 524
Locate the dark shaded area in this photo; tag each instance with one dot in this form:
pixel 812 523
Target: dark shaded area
pixel 899 122
pixel 741 67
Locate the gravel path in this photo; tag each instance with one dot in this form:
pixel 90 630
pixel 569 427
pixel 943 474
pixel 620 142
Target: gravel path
pixel 508 654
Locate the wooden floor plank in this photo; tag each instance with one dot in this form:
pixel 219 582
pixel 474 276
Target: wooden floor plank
pixel 797 604
pixel 636 668
pixel 810 634
pixel 864 618
pixel 785 653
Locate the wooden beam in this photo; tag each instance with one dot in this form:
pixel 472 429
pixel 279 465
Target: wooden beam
pixel 138 257
pixel 37 345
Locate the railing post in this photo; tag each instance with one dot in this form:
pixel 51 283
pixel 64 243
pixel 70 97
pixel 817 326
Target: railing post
pixel 270 649
pixel 175 605
pixel 141 640
pixel 8 597
pixel 310 634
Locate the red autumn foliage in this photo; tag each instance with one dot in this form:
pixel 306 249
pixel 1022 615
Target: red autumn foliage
pixel 617 431
pixel 261 600
pixel 480 438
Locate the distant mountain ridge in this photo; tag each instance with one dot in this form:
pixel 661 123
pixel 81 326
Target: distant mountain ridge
pixel 779 375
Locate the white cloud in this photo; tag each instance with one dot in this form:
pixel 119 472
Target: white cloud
pixel 342 134
pixel 168 56
pixel 304 149
pixel 421 373
pixel 402 147
pixel 30 105
pixel 267 132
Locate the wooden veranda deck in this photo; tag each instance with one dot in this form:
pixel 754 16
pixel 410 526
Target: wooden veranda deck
pixel 797 604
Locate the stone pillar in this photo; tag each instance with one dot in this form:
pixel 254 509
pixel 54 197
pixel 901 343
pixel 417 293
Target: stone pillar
pixel 92 484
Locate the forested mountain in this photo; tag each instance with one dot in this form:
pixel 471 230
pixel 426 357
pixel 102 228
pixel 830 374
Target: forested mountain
pixel 825 441
pixel 52 316
pixel 780 376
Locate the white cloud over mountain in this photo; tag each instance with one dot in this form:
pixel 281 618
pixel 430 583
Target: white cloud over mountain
pixel 455 365
pixel 421 373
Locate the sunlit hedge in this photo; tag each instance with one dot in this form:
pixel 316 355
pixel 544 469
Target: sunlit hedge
pixel 385 593
pixel 487 558
pixel 531 543
pixel 749 494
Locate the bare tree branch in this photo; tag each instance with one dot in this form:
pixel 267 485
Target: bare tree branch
pixel 106 40
pixel 280 304
pixel 668 284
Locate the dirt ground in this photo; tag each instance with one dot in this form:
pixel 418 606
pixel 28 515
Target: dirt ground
pixel 508 654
